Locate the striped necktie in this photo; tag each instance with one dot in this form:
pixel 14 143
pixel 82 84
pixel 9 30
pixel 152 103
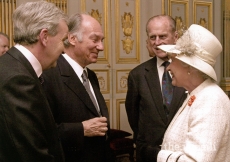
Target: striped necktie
pixel 87 87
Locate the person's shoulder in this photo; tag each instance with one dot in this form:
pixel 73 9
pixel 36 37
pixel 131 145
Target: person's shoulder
pixel 90 72
pixel 213 94
pixel 147 64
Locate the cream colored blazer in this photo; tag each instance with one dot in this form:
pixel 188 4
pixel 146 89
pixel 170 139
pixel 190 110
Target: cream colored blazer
pixel 200 131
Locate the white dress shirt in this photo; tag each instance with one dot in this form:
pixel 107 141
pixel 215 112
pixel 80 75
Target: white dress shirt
pixel 79 71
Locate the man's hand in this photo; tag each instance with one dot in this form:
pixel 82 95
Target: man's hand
pixel 95 127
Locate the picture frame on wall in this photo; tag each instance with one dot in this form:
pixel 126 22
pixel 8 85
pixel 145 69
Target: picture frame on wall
pixel 179 10
pixel 107 102
pixel 103 79
pixel 122 80
pixel 127 31
pixel 100 11
pixel 203 14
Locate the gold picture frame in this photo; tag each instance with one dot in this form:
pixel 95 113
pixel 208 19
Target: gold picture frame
pixel 179 10
pixel 122 40
pixel 107 102
pixel 122 80
pixel 121 116
pixel 203 14
pixel 101 7
pixel 103 79
pixel 119 102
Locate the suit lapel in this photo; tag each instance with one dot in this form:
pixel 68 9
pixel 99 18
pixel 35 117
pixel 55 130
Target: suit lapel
pixel 151 75
pixel 14 52
pixel 71 80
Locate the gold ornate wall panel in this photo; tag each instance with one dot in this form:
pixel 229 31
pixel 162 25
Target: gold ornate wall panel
pixel 107 102
pixel 62 4
pixel 122 120
pixel 99 10
pixel 225 82
pixel 187 12
pixel 203 14
pixel 6 25
pixel 103 79
pixel 179 10
pixel 121 80
pixel 127 17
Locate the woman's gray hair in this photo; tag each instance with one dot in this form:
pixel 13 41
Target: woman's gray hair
pixel 75 27
pixel 203 75
pixel 31 17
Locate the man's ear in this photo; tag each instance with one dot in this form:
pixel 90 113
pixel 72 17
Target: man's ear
pixel 72 39
pixel 176 36
pixel 43 36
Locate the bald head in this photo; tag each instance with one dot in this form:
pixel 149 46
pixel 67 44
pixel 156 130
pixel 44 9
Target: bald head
pixel 4 43
pixel 77 25
pixel 85 39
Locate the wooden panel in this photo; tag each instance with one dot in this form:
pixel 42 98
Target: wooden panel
pixel 6 10
pixel 62 4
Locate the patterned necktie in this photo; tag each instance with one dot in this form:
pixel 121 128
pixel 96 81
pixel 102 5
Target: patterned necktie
pixel 167 87
pixel 87 87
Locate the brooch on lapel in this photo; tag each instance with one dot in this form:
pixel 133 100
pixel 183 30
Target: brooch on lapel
pixel 190 101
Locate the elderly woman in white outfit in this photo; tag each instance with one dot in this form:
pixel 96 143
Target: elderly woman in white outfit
pixel 200 131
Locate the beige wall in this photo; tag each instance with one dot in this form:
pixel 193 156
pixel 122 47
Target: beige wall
pixel 153 7
pixel 111 69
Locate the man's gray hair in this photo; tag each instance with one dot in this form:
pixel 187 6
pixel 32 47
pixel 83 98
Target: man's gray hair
pixel 75 27
pixel 172 22
pixel 31 17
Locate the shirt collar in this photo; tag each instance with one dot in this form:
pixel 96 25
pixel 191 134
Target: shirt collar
pixel 160 62
pixel 31 58
pixel 76 67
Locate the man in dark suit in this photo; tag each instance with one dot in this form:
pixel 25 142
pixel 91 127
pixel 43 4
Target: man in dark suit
pixel 83 124
pixel 28 132
pixel 147 114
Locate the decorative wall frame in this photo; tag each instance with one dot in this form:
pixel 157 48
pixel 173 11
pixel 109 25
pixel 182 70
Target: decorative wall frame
pixel 121 80
pixel 120 105
pixel 132 18
pixel 103 79
pixel 203 14
pixel 107 102
pixel 162 6
pixel 101 12
pixel 179 10
pixel 121 116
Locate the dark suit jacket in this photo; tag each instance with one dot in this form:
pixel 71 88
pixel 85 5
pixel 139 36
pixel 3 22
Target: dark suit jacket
pixel 144 106
pixel 27 128
pixel 71 105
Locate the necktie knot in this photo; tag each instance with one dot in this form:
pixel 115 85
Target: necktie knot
pixel 165 64
pixel 84 76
